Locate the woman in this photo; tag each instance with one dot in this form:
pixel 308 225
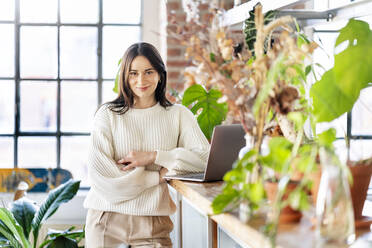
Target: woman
pixel 135 140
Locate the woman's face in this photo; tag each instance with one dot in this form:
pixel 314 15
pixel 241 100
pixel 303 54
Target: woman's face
pixel 143 79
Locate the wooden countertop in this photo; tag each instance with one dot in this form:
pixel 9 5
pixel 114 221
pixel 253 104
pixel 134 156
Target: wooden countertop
pixel 289 235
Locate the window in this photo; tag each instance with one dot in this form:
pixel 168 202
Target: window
pixel 58 63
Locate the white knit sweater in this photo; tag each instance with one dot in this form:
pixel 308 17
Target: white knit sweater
pixel 172 132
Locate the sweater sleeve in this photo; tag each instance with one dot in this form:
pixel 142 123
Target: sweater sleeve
pixel 193 148
pixel 111 183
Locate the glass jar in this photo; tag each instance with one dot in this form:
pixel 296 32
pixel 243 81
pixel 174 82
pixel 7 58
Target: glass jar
pixel 334 210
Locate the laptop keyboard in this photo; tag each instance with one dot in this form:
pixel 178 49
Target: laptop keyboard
pixel 190 175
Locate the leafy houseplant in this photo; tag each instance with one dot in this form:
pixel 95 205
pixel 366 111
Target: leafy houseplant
pixel 261 91
pixel 338 90
pixel 25 217
pixel 212 112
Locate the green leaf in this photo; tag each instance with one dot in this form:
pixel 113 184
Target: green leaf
pixel 235 175
pixel 61 194
pixel 257 192
pixel 339 88
pixel 7 238
pixel 301 40
pixel 327 137
pixel 308 69
pixel 280 153
pixel 62 242
pixel 250 28
pixel 10 228
pixel 246 161
pixel 329 101
pixel 298 199
pixel 354 30
pixel 68 233
pixel 212 57
pixel 116 87
pixel 24 211
pixel 228 196
pixel 212 114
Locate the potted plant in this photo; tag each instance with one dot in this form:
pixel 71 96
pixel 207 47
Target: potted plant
pixel 262 91
pixel 338 90
pixel 25 217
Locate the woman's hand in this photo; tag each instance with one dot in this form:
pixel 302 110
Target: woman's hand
pixel 162 173
pixel 137 159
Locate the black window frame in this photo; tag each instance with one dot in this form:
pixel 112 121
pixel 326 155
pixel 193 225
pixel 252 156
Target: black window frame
pixel 17 77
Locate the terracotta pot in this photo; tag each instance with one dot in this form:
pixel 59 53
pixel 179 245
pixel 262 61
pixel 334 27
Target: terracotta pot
pixel 288 214
pixel 361 174
pixel 361 179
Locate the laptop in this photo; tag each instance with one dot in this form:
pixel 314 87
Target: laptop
pixel 227 140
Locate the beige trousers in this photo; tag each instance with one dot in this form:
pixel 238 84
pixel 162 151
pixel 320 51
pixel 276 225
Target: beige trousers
pixel 113 230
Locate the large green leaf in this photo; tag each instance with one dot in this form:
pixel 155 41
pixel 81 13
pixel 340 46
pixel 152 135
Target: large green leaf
pixel 339 88
pixel 10 228
pixel 250 30
pixel 329 101
pixel 24 211
pixel 77 235
pixel 354 30
pixel 6 237
pixel 213 113
pixel 61 194
pixel 62 242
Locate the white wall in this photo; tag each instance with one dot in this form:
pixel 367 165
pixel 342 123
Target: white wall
pixel 153 24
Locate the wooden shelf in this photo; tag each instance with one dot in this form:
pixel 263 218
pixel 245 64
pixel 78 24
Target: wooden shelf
pixel 355 9
pixel 240 13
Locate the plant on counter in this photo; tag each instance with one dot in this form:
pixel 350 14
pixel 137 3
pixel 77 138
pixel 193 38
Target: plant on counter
pixel 25 217
pixel 332 96
pixel 339 89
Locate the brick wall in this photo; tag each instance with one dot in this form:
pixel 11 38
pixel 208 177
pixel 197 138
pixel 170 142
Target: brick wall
pixel 175 52
pixel 176 61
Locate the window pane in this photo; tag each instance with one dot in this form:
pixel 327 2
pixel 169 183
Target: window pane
pixel 339 124
pixel 39 43
pixel 324 53
pixel 107 93
pixel 38 11
pixel 6 152
pixel 78 52
pixel 115 41
pixel 362 114
pixel 37 152
pixel 79 11
pixel 38 106
pixel 6 106
pixel 115 11
pixel 360 149
pixel 338 3
pixel 78 105
pixel 6 50
pixel 74 154
pixel 7 10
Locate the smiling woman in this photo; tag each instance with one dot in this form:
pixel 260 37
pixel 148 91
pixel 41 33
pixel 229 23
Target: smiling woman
pixel 135 140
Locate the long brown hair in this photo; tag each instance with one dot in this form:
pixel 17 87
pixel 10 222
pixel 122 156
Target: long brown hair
pixel 125 98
